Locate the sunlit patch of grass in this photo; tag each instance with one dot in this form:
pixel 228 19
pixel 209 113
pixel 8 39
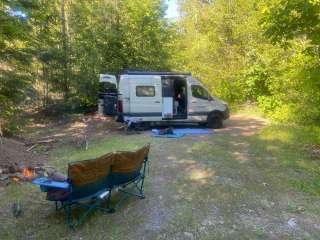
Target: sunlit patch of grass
pixel 311 186
pixel 210 150
pixel 280 134
pixel 283 148
pixel 247 110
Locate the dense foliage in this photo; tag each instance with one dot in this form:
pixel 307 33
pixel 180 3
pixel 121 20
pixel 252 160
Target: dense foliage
pixel 259 51
pixel 55 49
pixel 263 51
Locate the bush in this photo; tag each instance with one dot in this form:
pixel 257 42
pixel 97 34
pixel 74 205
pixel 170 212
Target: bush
pixel 268 104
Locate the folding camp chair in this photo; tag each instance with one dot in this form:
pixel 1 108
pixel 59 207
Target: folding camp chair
pixel 91 182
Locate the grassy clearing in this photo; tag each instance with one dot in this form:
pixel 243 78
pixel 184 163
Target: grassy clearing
pixel 285 149
pixel 225 186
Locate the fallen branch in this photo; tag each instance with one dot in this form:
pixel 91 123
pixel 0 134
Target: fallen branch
pixel 86 142
pixel 46 141
pixel 1 135
pixel 32 147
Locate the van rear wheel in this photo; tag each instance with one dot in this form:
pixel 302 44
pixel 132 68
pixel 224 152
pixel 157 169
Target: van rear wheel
pixel 215 121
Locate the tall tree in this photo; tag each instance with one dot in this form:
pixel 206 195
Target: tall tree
pixel 295 25
pixel 65 38
pixel 15 76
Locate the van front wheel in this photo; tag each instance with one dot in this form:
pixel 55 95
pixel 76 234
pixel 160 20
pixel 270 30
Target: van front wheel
pixel 215 121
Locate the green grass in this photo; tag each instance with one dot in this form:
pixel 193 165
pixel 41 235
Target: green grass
pixel 247 110
pixel 194 183
pixel 284 148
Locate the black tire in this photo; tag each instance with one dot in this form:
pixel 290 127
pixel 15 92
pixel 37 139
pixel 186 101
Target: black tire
pixel 215 121
pixel 203 124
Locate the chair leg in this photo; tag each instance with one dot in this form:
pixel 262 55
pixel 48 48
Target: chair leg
pixel 89 208
pixel 57 205
pixel 142 178
pixel 136 188
pixel 68 211
pixel 109 204
pixel 141 188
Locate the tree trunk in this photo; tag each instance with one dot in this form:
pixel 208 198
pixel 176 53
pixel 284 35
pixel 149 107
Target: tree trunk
pixel 45 78
pixel 65 47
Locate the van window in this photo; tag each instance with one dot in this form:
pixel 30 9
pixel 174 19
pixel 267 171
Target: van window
pixel 107 87
pixel 145 91
pixel 199 92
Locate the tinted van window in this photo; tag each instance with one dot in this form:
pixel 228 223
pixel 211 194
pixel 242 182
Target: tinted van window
pixel 145 91
pixel 199 92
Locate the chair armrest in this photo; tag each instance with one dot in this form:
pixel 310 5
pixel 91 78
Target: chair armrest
pixel 45 182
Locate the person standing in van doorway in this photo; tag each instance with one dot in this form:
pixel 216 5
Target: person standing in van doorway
pixel 176 105
pixel 180 103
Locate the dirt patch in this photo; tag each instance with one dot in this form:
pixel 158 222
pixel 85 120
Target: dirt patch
pixel 14 152
pixel 75 131
pixel 241 125
pixel 313 150
pixel 33 146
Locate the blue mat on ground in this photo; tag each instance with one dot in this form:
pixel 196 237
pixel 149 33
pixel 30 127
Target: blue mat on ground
pixel 180 132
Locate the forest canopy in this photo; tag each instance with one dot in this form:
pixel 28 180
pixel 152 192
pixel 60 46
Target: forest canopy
pixel 261 51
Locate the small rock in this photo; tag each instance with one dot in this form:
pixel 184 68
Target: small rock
pixel 16 209
pixel 234 227
pixel 292 223
pixel 188 235
pixel 13 168
pixel 4 177
pixel 300 209
pixel 221 222
pixel 265 184
pixel 207 222
pixel 5 183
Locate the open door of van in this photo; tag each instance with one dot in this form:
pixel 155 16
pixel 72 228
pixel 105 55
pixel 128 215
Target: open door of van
pixel 167 98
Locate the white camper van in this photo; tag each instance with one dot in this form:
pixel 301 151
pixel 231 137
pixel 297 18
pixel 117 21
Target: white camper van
pixel 160 97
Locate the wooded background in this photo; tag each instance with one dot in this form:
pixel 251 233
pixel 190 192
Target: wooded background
pixel 261 51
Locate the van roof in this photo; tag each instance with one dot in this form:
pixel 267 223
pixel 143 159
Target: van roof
pixel 136 72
